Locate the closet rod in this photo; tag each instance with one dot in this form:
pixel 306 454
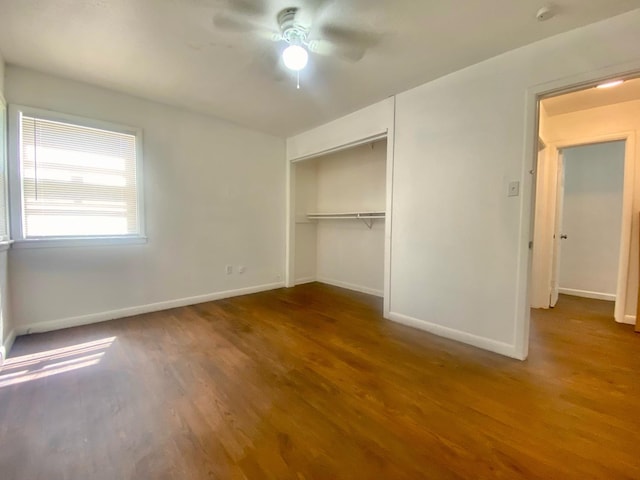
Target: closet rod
pixel 366 217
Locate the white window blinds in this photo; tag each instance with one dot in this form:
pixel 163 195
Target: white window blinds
pixel 77 181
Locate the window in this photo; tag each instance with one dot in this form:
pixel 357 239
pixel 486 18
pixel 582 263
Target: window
pixel 79 179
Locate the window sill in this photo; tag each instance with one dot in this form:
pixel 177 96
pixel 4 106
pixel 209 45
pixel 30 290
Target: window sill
pixel 77 242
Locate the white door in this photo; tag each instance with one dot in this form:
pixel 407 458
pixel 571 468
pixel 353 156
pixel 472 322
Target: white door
pixel 557 233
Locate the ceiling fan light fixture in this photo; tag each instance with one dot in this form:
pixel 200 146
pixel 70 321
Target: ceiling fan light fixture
pixel 295 57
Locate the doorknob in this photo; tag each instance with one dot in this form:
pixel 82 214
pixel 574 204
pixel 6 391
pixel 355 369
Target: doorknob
pixel 563 237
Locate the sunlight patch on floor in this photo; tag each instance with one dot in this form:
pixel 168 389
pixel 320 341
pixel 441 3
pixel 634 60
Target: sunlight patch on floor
pixel 53 362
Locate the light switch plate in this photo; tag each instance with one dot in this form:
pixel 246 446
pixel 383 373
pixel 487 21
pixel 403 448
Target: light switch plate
pixel 514 189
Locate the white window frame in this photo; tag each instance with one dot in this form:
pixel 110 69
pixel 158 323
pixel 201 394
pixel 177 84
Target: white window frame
pixel 15 181
pixel 5 242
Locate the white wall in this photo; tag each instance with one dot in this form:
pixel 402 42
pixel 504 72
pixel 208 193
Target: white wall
pixel 353 180
pixel 7 334
pixel 592 219
pixel 350 254
pixel 459 248
pixel 214 195
pixel 594 123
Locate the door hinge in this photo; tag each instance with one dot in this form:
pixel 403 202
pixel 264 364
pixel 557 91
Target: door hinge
pixel 530 244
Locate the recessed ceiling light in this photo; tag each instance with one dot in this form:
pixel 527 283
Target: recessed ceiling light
pixel 614 83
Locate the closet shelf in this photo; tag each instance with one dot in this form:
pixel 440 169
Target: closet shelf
pixel 366 217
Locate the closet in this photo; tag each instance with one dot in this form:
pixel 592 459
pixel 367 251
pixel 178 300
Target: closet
pixel 339 203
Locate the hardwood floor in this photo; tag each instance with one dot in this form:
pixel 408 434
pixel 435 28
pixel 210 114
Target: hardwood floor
pixel 311 383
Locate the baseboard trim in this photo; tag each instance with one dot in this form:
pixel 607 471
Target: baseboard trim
pixel 351 286
pixel 302 281
pixel 59 324
pixel 5 348
pixel 587 294
pixel 629 319
pixel 458 335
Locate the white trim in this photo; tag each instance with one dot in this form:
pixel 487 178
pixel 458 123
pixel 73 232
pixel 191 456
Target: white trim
pixel 78 242
pixel 351 286
pixel 5 348
pixel 356 143
pixel 290 227
pixel 78 120
pixel 458 335
pixel 61 323
pixel 5 245
pixel 140 203
pixel 303 280
pixel 13 173
pixel 629 319
pixel 388 223
pixel 587 294
pixel 4 160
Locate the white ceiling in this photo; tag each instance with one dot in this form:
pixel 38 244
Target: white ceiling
pixel 170 51
pixel 592 98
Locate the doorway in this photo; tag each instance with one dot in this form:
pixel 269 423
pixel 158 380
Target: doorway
pixel 583 217
pixel 589 221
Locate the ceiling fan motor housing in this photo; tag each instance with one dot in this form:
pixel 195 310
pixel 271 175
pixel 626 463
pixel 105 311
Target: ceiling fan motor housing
pixel 292 32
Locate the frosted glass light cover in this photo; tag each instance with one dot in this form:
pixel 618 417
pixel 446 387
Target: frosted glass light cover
pixel 295 57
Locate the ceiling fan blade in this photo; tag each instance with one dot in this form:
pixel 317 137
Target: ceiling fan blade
pixel 232 23
pixel 310 12
pixel 350 36
pixel 252 8
pixel 240 15
pixel 350 53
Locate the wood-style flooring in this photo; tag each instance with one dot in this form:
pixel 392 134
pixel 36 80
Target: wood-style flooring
pixel 312 383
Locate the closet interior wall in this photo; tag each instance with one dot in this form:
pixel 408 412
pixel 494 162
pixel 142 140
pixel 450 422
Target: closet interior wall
pixel 342 252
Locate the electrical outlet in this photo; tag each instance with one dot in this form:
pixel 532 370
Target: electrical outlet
pixel 241 268
pixel 229 269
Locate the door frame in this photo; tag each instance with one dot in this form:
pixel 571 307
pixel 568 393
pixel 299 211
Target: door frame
pixel 557 208
pixel 624 257
pixel 534 94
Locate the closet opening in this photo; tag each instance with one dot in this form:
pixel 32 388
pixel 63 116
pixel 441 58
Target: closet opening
pixel 339 209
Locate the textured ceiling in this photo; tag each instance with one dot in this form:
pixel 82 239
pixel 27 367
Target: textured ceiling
pixel 592 98
pixel 171 51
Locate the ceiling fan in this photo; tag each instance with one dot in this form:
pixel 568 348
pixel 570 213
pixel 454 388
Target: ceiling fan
pixel 300 28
